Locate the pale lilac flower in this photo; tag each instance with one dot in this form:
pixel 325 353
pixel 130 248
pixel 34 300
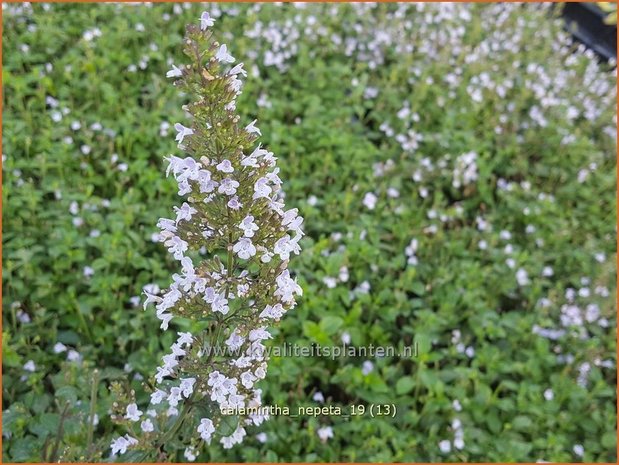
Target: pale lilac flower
pixel 73 356
pixel 157 396
pixel 579 450
pixel 228 186
pixel 252 129
pixel 206 21
pixel 120 445
pixel 522 277
pixel 325 433
pixel 59 347
pixel 445 446
pixel 30 366
pixel 369 200
pixel 190 454
pixel 261 189
pixel 248 226
pixel 234 203
pixel 223 56
pixel 244 248
pixel 225 167
pixel 147 426
pixel 174 72
pixel 367 367
pixel 206 429
pixel 238 69
pixel 549 394
pixel 182 132
pixel 133 413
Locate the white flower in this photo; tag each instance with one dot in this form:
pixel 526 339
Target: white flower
pixel 175 396
pixel 147 426
pixel 247 379
pixel 186 212
pixel 261 189
pixel 235 341
pixel 220 304
pixel 73 356
pixel 165 320
pixel 186 386
pixel 119 445
pixel 238 69
pixel 59 347
pixel 287 287
pixel 346 338
pixel 549 394
pixel 522 277
pixel 228 186
pixel 293 221
pixel 367 368
pixel 252 129
pixel 369 200
pixel 30 366
pixel 206 429
pixel 206 21
pixel 248 226
pixel 176 246
pixel 174 72
pixel 133 413
pixel 190 454
pixel 284 246
pixel 465 171
pixel 157 396
pixel 318 397
pixel 182 132
pixel 234 203
pixel 445 446
pixel 235 438
pixel 547 271
pixel 223 56
pixel 185 339
pixel 579 450
pixel 325 433
pixel 225 166
pixel 274 312
pixel 244 248
pixel 259 334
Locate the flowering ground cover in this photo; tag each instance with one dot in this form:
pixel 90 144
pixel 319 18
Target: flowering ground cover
pixel 455 167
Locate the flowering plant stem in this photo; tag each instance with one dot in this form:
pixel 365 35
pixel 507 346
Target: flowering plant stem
pixel 234 211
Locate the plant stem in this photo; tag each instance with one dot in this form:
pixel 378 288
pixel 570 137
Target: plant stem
pixel 59 433
pixel 93 404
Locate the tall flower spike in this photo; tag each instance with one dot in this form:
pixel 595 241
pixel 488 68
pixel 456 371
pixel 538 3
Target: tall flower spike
pixel 233 211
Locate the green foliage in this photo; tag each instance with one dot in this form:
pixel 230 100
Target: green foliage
pixel 325 126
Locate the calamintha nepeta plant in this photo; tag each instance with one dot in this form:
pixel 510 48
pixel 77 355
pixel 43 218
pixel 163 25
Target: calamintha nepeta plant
pixel 233 215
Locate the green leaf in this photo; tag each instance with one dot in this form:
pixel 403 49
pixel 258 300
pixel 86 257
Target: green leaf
pixel 404 385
